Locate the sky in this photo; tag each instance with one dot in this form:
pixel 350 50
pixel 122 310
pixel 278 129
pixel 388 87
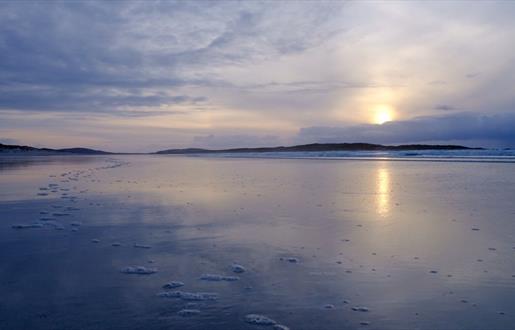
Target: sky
pixel 147 76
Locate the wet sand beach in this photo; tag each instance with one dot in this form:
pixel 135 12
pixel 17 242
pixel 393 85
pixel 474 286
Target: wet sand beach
pixel 175 242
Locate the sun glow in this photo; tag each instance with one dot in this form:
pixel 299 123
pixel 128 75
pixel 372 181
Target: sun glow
pixel 383 114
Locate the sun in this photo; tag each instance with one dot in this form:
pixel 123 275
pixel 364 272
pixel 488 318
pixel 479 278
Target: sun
pixel 383 114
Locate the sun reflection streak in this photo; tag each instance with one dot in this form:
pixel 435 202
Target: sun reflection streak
pixel 383 191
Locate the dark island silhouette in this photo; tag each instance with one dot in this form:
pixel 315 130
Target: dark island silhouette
pixel 323 147
pixel 5 148
pixel 10 148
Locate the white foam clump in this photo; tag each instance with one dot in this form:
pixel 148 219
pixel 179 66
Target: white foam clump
pixel 360 309
pixel 26 226
pixel 189 296
pixel 188 312
pixel 199 296
pixel 139 270
pixel 238 268
pixel 141 246
pixel 173 285
pixel 259 319
pixel 280 327
pixel 218 278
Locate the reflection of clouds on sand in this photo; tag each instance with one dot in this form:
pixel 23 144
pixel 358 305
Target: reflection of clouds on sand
pixel 301 236
pixel 383 191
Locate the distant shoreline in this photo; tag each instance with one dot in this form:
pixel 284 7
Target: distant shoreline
pixel 322 147
pixel 19 149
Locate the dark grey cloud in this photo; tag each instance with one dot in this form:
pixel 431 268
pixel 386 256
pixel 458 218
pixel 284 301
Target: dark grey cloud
pixel 499 128
pixel 57 55
pixel 67 56
pixel 89 100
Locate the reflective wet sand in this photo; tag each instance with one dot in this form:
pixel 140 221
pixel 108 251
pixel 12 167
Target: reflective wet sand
pixel 324 244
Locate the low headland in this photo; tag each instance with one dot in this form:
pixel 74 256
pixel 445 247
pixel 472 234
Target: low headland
pixel 19 149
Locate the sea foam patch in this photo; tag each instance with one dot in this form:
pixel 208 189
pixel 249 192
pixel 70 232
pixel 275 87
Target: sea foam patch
pixel 259 319
pixel 218 278
pixel 236 268
pixel 189 296
pixel 173 285
pixel 139 270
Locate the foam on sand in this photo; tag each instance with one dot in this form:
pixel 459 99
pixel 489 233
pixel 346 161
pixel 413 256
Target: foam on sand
pixel 280 327
pixel 238 268
pixel 139 270
pixel 173 285
pixel 218 278
pixel 141 246
pixel 360 309
pixel 189 296
pixel 259 319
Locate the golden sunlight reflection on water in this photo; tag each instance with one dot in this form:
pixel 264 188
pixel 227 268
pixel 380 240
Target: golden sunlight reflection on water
pixel 383 191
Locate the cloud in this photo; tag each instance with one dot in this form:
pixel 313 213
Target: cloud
pixel 90 100
pixel 499 128
pixel 98 56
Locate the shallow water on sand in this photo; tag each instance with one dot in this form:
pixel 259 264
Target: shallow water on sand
pixel 322 244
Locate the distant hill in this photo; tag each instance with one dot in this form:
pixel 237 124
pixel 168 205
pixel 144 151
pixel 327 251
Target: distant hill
pixel 84 151
pixel 323 147
pixel 16 148
pixel 10 149
pixel 6 148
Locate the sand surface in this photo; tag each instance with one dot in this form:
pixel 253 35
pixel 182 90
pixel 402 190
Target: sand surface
pixel 173 242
